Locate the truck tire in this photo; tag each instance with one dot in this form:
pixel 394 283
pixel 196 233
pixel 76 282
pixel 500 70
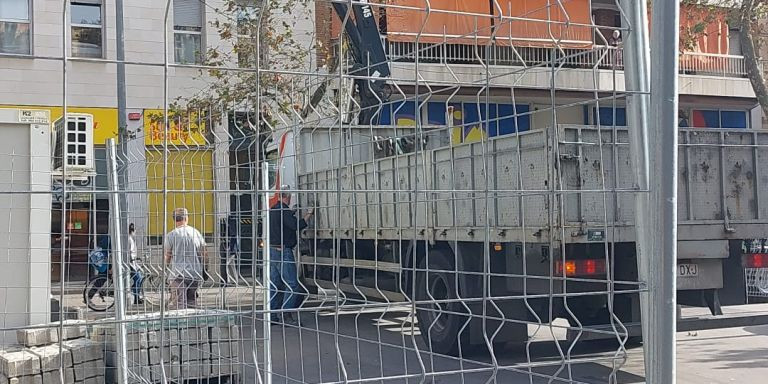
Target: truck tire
pixel 440 315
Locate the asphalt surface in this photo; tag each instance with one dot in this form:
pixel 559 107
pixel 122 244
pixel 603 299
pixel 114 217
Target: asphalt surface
pixel 372 346
pixel 380 346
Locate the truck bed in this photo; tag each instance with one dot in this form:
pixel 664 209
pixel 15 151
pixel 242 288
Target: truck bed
pixel 441 194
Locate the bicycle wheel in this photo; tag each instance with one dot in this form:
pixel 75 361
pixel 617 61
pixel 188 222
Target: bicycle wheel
pixel 152 287
pixel 99 294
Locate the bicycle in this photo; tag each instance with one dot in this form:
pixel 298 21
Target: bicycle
pixel 99 292
pixel 153 284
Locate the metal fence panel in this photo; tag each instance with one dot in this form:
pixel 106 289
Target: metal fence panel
pixel 455 243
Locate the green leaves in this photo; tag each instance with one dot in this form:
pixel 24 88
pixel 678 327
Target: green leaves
pixel 257 38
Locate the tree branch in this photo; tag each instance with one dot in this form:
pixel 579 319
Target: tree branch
pixel 747 21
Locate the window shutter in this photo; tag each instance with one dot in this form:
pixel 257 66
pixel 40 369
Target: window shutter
pixel 187 13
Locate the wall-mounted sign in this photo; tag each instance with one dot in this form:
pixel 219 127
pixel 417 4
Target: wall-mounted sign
pixel 104 119
pixel 34 116
pixel 76 193
pixel 185 131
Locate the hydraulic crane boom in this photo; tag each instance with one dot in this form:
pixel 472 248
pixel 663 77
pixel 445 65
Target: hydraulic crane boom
pixel 370 60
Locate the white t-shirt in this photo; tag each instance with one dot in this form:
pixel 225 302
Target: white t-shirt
pixel 185 244
pixel 133 252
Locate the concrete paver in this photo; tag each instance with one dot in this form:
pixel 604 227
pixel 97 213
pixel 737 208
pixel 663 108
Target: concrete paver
pixel 732 355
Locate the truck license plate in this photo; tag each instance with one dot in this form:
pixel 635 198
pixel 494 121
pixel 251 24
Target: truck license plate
pixel 687 270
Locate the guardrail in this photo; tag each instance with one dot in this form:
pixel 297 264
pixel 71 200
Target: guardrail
pixel 710 64
pixel 602 57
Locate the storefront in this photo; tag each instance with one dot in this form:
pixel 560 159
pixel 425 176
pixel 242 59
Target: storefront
pixel 189 174
pixel 87 211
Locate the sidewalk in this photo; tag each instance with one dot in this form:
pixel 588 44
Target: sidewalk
pixel 236 298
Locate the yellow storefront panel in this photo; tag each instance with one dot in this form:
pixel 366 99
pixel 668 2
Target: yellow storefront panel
pixel 187 171
pixel 187 131
pixel 104 119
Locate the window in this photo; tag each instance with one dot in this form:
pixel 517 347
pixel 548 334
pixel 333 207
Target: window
pixel 715 118
pixel 734 42
pixel 87 29
pixel 607 114
pixel 188 31
pixel 15 27
pixel 247 16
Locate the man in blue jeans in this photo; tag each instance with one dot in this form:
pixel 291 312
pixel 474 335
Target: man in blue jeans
pixel 284 228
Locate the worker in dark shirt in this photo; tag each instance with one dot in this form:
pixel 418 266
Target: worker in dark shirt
pixel 284 228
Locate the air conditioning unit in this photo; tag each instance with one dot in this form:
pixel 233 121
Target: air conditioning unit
pixel 73 145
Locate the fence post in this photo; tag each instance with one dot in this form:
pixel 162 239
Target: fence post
pixel 266 276
pixel 637 77
pixel 663 139
pixel 121 278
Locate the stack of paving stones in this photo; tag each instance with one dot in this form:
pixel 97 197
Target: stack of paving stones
pixel 42 352
pixel 195 345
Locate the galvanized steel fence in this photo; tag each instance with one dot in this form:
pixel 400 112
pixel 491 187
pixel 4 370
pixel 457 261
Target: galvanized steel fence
pixel 456 221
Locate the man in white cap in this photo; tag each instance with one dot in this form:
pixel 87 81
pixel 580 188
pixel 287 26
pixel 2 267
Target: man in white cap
pixel 185 254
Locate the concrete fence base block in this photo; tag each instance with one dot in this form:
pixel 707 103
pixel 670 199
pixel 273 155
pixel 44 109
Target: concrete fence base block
pixel 94 380
pixel 221 368
pixel 54 377
pixel 195 370
pixel 33 337
pixel 33 379
pixel 18 363
pixel 52 357
pixel 89 369
pixel 84 350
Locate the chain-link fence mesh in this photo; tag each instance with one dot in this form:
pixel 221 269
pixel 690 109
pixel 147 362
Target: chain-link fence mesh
pixel 329 191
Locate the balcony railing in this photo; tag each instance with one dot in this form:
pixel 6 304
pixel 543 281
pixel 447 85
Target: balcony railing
pixel 601 57
pixel 709 64
pixel 500 55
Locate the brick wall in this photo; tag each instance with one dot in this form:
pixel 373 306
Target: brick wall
pixel 324 15
pixel 604 17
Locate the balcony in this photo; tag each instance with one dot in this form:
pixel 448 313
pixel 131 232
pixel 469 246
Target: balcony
pixel 599 57
pixel 708 64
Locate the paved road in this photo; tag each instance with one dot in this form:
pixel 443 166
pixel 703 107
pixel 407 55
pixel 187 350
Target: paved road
pixel 372 346
pixel 733 355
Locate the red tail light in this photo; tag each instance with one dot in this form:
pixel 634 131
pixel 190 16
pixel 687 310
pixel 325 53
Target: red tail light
pixel 588 267
pixel 755 260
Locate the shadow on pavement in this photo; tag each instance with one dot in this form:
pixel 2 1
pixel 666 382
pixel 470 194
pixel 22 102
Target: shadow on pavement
pixel 369 347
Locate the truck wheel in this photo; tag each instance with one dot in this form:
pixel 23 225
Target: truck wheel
pixel 440 314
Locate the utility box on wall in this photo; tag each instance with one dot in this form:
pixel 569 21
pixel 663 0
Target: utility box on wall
pixel 73 143
pixel 25 228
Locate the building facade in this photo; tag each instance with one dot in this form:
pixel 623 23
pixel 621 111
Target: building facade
pixel 455 48
pixel 206 156
pixel 34 36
